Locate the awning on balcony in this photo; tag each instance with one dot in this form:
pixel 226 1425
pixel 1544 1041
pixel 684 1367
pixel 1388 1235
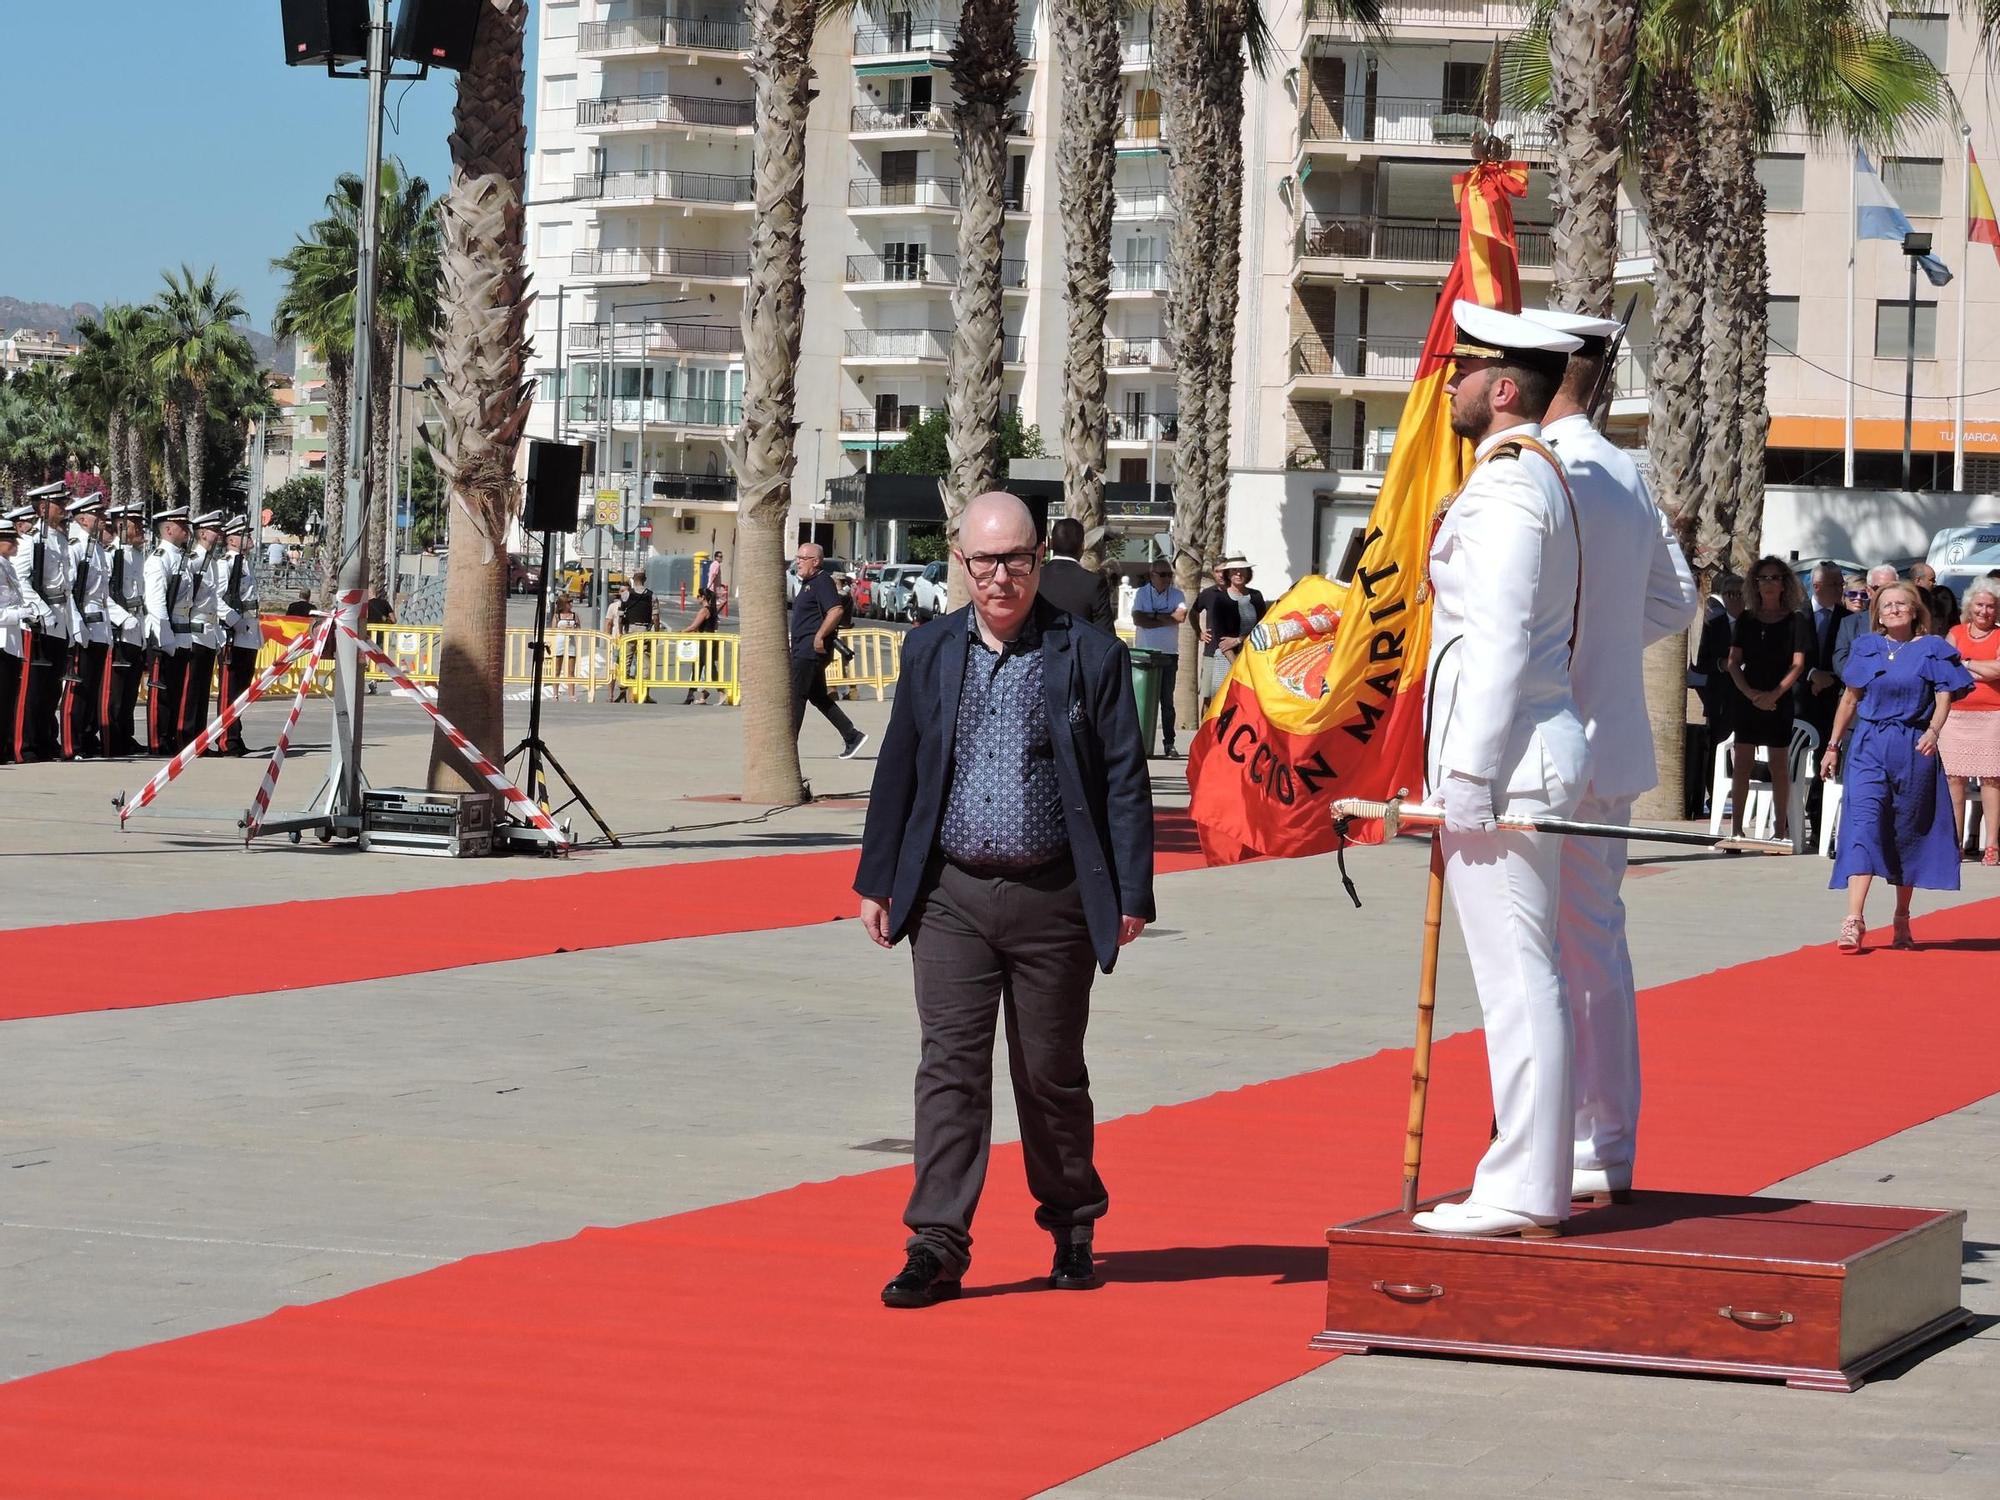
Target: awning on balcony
pixel 903 69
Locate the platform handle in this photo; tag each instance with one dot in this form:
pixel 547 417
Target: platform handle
pixel 1755 1319
pixel 1409 1291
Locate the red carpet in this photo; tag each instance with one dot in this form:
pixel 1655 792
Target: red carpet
pixel 740 1350
pixel 168 960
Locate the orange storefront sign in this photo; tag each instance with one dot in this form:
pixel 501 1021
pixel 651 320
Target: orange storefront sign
pixel 1881 434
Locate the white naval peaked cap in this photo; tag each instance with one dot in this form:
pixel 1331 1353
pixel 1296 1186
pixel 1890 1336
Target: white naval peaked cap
pixel 1572 323
pixel 209 520
pixel 1488 333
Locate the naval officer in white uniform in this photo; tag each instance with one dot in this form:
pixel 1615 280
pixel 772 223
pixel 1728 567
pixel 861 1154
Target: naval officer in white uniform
pixel 1636 590
pixel 1503 736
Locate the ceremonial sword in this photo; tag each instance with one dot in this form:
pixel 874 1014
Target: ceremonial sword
pixel 1394 814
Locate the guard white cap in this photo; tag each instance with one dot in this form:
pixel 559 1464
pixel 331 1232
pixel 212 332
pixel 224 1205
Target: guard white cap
pixel 1571 323
pixel 1488 333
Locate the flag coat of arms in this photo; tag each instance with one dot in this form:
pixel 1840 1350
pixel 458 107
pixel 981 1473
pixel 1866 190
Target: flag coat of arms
pixel 1325 699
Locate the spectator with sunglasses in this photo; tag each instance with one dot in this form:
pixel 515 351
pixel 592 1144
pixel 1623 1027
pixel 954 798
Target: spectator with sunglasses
pixel 1767 656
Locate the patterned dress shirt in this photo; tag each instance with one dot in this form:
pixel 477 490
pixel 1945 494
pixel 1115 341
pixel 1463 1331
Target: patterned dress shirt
pixel 1004 810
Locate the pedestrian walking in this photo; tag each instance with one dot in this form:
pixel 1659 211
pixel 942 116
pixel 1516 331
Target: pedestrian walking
pixel 817 614
pixel 1767 656
pixel 1895 812
pixel 563 633
pixel 1970 744
pixel 1069 585
pixel 703 623
pixel 1010 836
pixel 1158 609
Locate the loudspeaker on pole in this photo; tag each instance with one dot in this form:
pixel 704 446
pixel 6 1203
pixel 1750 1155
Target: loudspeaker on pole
pixel 437 33
pixel 555 477
pixel 324 33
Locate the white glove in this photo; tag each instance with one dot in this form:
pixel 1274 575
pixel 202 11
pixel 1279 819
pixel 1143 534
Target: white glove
pixel 1468 804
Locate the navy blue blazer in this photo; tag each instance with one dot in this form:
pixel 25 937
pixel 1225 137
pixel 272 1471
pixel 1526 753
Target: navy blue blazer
pixel 1100 764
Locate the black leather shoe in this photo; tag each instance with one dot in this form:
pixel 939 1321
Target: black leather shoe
pixel 920 1283
pixel 1074 1269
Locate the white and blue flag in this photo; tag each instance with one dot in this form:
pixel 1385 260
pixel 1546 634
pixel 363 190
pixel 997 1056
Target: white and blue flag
pixel 1879 217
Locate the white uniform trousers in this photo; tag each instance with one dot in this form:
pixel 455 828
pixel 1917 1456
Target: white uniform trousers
pixel 1597 979
pixel 1504 888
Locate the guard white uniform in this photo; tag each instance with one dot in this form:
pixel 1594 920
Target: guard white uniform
pixel 1636 590
pixel 169 601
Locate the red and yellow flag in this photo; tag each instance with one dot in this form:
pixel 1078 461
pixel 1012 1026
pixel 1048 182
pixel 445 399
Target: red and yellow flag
pixel 1328 701
pixel 1980 223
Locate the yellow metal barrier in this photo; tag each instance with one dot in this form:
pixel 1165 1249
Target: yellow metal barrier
pixel 588 664
pixel 659 662
pixel 878 661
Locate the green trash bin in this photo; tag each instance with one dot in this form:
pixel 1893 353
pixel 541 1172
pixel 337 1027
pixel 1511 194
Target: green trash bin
pixel 1148 667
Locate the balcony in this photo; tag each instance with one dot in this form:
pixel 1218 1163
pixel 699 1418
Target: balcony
pixel 1140 132
pixel 1316 457
pixel 666 187
pixel 1135 53
pixel 904 35
pixel 923 194
pixel 1123 355
pixel 925 119
pixel 923 270
pixel 635 338
pixel 1142 426
pixel 694 111
pixel 1143 203
pixel 659 263
pixel 914 346
pixel 675 487
pixel 655 411
pixel 1426 15
pixel 666 33
pixel 1414 122
pixel 1355 364
pixel 1138 277
pixel 872 425
pixel 1423 243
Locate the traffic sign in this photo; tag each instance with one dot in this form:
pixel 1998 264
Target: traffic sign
pixel 645 531
pixel 610 507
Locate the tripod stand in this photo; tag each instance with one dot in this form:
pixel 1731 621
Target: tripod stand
pixel 536 748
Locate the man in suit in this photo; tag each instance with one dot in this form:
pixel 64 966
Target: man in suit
pixel 1010 835
pixel 1636 590
pixel 1503 736
pixel 1818 691
pixel 1069 585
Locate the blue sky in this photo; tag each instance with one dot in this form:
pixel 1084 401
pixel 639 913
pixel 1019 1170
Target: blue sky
pixel 137 134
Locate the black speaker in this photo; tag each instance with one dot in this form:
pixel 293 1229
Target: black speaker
pixel 318 32
pixel 555 476
pixel 437 32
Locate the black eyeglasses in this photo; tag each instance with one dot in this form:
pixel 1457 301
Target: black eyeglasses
pixel 985 566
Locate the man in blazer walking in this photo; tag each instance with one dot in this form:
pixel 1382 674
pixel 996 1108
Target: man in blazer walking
pixel 1010 835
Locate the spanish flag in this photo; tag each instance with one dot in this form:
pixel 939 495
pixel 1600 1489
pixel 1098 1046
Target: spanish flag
pixel 1326 699
pixel 1980 225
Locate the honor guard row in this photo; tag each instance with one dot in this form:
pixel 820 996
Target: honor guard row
pixel 88 611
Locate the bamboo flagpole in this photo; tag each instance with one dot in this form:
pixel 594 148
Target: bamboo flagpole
pixel 1420 1061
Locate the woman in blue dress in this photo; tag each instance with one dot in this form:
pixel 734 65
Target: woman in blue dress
pixel 1895 814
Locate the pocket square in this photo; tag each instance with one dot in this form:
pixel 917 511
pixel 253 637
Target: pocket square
pixel 1076 714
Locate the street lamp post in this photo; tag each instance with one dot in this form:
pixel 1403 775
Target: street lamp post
pixel 1916 245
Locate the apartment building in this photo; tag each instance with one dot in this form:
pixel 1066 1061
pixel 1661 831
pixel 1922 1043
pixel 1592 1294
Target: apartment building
pixel 640 219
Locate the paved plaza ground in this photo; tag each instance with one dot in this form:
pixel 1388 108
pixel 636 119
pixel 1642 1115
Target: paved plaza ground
pixel 190 1166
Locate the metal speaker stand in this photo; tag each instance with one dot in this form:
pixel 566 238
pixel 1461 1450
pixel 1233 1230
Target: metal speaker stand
pixel 533 745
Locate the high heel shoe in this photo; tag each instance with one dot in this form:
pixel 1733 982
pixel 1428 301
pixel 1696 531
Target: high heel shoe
pixel 1851 929
pixel 1900 936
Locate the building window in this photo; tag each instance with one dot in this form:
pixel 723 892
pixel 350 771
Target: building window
pixel 1783 176
pixel 1461 86
pixel 1782 314
pixel 559 91
pixel 552 239
pixel 1916 183
pixel 1892 324
pixel 557 168
pixel 1924 30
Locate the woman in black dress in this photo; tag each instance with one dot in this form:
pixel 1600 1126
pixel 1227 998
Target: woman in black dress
pixel 1767 654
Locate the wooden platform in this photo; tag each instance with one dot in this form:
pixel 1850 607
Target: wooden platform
pixel 1813 1294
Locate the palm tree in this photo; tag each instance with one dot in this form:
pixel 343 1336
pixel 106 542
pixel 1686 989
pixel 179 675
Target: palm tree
pixel 482 385
pixel 1088 44
pixel 317 308
pixel 763 453
pixel 1590 60
pixel 985 71
pixel 115 390
pixel 195 344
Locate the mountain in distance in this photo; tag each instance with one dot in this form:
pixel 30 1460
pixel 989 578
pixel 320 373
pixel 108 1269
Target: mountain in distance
pixel 15 313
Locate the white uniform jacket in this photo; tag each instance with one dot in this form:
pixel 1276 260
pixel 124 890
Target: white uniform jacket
pixel 169 599
pixel 1504 571
pixel 90 567
pixel 125 594
pixel 1636 590
pixel 13 612
pixel 237 580
pixel 205 579
pixel 44 559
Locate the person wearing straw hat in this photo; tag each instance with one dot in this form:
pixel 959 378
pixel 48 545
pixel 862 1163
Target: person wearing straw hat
pixel 1636 590
pixel 208 633
pixel 43 566
pixel 83 707
pixel 13 617
pixel 242 628
pixel 1502 736
pixel 169 629
pixel 125 604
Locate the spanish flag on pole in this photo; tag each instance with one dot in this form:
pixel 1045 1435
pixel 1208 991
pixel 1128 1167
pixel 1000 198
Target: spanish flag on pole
pixel 1326 698
pixel 1980 223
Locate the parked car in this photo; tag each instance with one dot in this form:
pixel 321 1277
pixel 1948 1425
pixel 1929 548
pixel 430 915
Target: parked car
pixel 523 577
pixel 892 591
pixel 864 591
pixel 929 590
pixel 576 579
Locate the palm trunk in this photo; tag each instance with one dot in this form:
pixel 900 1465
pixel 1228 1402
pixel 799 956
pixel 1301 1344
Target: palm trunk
pixel 381 575
pixel 482 382
pixel 1591 48
pixel 333 506
pixel 1225 133
pixel 1752 416
pixel 114 457
pixel 194 422
pixel 1677 212
pixel 1664 675
pixel 1728 155
pixel 135 465
pixel 764 453
pixel 1087 42
pixel 985 70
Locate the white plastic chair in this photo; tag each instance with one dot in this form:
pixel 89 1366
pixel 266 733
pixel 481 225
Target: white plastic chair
pixel 1760 816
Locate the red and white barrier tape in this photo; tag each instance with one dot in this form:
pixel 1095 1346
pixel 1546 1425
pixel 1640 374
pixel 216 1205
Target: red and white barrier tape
pixel 517 800
pixel 261 803
pixel 213 734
